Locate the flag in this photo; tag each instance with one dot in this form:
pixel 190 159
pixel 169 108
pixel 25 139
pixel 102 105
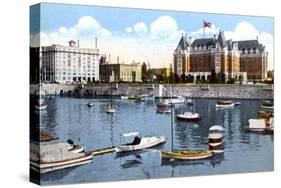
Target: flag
pixel 207 24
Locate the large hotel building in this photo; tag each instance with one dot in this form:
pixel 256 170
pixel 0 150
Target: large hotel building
pixel 67 64
pixel 241 60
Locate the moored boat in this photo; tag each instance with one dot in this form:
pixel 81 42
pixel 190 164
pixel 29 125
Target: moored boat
pixel 110 109
pixel 215 138
pixel 40 106
pixel 188 116
pixel 261 125
pixel 267 105
pixel 186 155
pixel 163 110
pixel 139 142
pixel 225 104
pixel 90 104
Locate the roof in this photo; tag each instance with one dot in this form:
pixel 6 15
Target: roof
pixel 221 39
pixel 245 44
pixel 203 42
pixel 183 44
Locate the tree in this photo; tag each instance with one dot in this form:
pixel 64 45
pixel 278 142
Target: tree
pixel 144 72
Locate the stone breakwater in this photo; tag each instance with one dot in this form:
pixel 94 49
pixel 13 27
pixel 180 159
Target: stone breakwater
pixel 196 91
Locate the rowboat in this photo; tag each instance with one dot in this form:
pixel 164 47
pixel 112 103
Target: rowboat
pixel 139 143
pixel 188 116
pixel 187 155
pixel 225 104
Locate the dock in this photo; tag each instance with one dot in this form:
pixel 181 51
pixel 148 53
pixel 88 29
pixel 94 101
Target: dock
pixel 102 151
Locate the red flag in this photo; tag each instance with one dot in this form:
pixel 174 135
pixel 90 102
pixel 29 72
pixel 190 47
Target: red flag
pixel 207 24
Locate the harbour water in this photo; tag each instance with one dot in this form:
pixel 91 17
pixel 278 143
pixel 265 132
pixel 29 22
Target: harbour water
pixel 91 127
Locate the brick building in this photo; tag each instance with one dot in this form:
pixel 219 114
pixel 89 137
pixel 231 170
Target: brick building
pixel 202 57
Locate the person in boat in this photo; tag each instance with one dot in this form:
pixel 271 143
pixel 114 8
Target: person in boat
pixel 136 141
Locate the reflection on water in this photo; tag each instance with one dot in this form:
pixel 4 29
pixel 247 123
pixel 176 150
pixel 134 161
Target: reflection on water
pixel 71 118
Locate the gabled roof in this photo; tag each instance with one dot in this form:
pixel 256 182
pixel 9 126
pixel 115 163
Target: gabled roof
pixel 183 44
pixel 203 42
pixel 221 40
pixel 229 45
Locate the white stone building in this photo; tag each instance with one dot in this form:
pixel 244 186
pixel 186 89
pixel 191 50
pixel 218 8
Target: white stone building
pixel 68 64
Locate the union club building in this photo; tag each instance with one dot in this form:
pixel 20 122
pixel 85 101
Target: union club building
pixel 239 60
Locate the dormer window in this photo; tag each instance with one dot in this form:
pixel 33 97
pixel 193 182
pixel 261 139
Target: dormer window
pixel 249 50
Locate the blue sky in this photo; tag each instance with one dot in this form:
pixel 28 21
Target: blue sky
pixel 145 27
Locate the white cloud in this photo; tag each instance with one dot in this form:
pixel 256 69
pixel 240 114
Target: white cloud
pixel 140 28
pixel 164 27
pixel 129 29
pixel 208 31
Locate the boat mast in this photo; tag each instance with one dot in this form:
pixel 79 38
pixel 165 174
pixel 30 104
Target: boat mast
pixel 172 126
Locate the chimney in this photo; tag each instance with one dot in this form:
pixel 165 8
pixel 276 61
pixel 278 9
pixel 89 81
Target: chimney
pixel 96 43
pixel 117 59
pixel 257 38
pixel 109 60
pixel 189 40
pixel 78 45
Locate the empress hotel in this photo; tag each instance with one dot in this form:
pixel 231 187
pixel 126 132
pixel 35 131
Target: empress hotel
pixel 241 60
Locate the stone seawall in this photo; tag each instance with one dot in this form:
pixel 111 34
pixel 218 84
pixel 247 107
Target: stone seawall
pixel 197 91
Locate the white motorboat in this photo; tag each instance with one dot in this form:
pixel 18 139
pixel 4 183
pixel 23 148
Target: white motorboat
pixel 139 142
pixel 189 116
pixel 40 107
pixel 177 100
pixel 124 97
pixel 225 104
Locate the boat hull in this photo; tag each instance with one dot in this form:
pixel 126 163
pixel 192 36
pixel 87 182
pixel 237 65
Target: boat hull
pixel 188 119
pixel 127 148
pixel 41 107
pixel 186 155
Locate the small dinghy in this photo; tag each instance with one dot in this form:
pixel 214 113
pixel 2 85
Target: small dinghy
pixel 188 116
pixel 40 106
pixel 110 109
pixel 90 104
pixel 139 142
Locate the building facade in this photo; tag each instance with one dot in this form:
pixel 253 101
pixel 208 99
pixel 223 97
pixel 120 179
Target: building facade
pixel 205 57
pixel 120 72
pixel 69 64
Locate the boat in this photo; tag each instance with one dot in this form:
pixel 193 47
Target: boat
pixel 133 97
pixel 163 110
pixel 215 138
pixel 164 103
pixel 40 104
pixel 188 116
pixel 76 149
pixel 50 157
pixel 177 100
pixel 139 142
pixel 260 125
pixel 40 107
pixel 186 155
pixel 124 97
pixel 225 104
pixel 189 101
pixel 110 108
pixel 267 105
pixel 90 104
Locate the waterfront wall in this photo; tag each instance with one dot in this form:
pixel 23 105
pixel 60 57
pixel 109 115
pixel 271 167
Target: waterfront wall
pixel 197 91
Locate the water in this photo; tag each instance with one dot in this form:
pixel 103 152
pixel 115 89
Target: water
pixel 71 118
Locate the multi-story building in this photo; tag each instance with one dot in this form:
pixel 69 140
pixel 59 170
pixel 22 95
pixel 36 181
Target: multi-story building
pixel 232 59
pixel 67 64
pixel 120 72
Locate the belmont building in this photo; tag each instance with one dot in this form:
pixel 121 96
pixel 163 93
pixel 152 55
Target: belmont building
pixel 241 60
pixel 68 64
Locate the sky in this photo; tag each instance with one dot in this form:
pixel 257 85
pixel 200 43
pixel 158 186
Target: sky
pixel 139 35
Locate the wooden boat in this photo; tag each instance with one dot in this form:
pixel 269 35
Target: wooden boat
pixel 139 143
pixel 267 105
pixel 188 116
pixel 225 104
pixel 186 155
pixel 51 157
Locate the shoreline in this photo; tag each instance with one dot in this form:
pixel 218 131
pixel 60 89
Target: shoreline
pixel 221 91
